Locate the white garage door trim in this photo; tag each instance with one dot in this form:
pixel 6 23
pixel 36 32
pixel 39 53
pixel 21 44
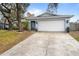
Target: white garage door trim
pixel 58 25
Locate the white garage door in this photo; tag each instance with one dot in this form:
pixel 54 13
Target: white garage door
pixel 51 25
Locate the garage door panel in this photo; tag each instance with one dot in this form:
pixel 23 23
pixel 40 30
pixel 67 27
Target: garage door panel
pixel 51 25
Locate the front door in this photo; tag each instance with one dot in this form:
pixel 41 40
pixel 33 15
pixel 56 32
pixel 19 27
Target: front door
pixel 33 25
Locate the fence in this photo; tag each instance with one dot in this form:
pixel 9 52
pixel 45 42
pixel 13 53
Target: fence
pixel 74 26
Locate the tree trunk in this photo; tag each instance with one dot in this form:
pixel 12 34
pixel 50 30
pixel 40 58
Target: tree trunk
pixel 10 24
pixel 18 17
pixel 4 23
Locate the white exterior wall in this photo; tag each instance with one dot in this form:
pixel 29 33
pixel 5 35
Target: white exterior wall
pixel 49 24
pixel 29 25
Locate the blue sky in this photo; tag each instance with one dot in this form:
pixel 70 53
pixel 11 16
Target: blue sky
pixel 63 9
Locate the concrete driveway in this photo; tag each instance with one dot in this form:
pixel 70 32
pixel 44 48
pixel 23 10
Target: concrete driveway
pixel 46 44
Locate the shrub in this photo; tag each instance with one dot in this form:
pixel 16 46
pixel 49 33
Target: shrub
pixel 25 25
pixel 14 27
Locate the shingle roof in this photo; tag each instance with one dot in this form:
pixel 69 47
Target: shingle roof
pixel 46 14
pixel 51 17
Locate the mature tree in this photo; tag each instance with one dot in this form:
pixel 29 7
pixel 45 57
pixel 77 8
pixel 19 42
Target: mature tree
pixel 52 8
pixel 13 11
pixel 21 9
pixel 5 9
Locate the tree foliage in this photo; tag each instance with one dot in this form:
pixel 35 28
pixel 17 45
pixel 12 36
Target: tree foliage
pixel 52 8
pixel 13 12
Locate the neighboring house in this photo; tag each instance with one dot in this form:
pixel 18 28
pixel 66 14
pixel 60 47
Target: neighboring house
pixel 48 22
pixel 2 25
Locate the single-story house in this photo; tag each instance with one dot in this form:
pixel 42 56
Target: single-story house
pixel 49 22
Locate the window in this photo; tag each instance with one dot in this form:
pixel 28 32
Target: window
pixel 67 21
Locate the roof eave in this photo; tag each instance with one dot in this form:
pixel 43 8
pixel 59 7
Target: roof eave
pixel 53 17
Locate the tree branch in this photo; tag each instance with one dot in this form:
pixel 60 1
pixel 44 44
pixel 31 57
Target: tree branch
pixel 4 15
pixel 5 7
pixel 3 10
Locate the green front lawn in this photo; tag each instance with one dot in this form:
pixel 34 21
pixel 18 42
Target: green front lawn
pixel 75 34
pixel 10 38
